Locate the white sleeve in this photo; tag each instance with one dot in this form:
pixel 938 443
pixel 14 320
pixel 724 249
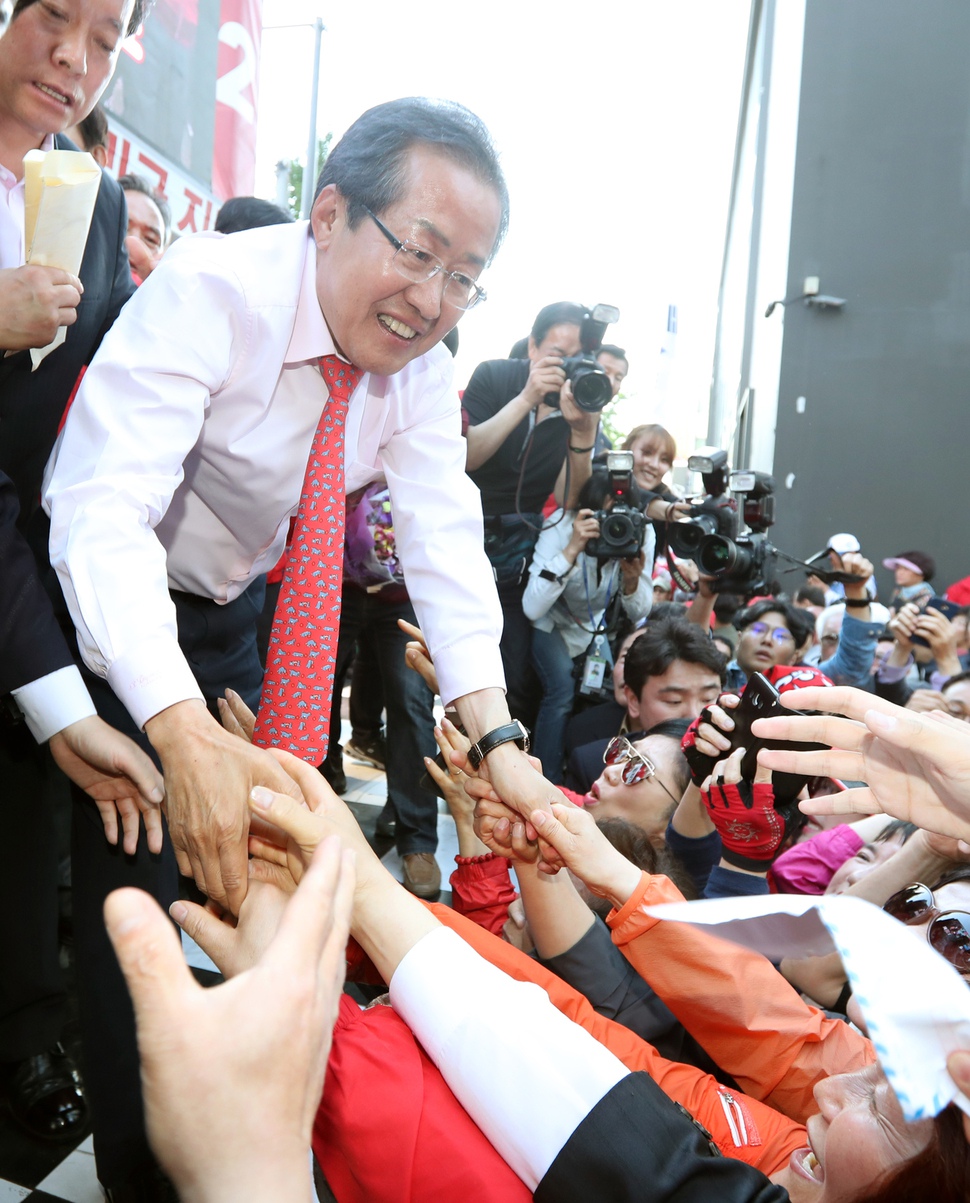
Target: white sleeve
pixel 541 594
pixel 526 1074
pixel 439 533
pixel 137 415
pixel 53 702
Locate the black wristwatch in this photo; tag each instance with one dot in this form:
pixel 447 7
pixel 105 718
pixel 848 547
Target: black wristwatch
pixel 513 732
pixel 855 603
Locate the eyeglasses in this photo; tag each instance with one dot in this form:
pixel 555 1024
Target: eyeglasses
pixel 636 766
pixel 949 932
pixel 779 634
pixel 418 265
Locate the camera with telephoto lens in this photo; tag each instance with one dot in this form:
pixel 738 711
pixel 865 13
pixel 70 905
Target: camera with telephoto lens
pixel 622 528
pixel 712 537
pixel 592 388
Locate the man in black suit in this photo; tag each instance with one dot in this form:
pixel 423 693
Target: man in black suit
pixel 44 685
pixel 671 669
pixel 55 62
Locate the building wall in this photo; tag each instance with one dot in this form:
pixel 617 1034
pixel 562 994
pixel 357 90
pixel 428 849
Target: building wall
pixel 881 214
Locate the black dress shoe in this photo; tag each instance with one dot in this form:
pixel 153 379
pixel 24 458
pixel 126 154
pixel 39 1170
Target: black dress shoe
pixel 386 824
pixel 46 1097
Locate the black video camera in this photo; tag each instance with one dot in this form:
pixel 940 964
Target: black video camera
pixel 711 536
pixel 622 528
pixel 592 388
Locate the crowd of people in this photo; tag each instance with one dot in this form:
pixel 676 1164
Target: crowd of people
pixel 245 470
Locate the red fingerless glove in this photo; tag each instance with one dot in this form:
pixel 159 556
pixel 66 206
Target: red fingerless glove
pixel 750 828
pixel 701 766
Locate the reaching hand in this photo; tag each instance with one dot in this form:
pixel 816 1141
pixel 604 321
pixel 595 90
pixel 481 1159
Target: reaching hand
pixel 232 1076
pixel 417 656
pixel 451 781
pixel 708 737
pixel 236 716
pixel 289 832
pixel 585 851
pixel 117 774
pixel 941 635
pixel 903 627
pixel 500 828
pixel 744 813
pixel 208 778
pixel 916 767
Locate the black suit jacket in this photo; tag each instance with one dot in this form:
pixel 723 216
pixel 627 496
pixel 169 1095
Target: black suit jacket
pixel 31 642
pixel 32 403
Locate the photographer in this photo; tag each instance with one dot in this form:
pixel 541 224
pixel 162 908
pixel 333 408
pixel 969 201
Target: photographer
pixel 571 598
pixel 518 449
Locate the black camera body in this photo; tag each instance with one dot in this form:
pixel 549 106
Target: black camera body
pixel 592 388
pixel 624 527
pixel 711 536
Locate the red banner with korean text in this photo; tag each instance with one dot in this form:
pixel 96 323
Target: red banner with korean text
pixel 184 95
pixel 234 162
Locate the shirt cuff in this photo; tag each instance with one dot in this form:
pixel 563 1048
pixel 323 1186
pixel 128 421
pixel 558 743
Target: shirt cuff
pixel 52 703
pixel 468 666
pixel 151 677
pixel 889 674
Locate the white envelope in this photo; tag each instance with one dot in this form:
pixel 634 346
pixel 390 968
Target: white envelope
pixel 916 1005
pixel 60 191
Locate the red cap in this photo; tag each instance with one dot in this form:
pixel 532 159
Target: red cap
pixel 799 676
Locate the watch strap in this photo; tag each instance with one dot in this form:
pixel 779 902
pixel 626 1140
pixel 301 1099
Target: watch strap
pixel 513 732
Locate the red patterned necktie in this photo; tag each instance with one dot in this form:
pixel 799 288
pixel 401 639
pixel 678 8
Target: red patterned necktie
pixel 294 710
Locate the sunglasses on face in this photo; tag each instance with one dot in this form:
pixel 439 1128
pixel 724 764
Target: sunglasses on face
pixel 949 931
pixel 779 634
pixel 636 766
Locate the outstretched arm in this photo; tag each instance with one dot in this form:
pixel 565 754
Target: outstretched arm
pixel 232 1076
pixel 916 766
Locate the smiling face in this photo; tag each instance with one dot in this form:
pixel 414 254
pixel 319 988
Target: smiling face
pixel 859 1134
pixel 146 233
pixel 379 320
pixel 56 58
pixel 651 460
pixel 861 865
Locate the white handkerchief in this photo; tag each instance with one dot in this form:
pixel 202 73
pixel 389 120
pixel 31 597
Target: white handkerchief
pixel 60 191
pixel 916 1005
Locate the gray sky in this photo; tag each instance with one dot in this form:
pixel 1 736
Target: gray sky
pixel 616 125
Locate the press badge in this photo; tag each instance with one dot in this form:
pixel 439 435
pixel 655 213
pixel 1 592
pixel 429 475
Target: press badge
pixel 598 660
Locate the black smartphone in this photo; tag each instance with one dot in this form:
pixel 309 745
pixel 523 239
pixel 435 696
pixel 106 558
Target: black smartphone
pixel 946 607
pixel 760 699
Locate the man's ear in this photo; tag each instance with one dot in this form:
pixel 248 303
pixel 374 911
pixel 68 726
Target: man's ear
pixel 632 702
pixel 327 209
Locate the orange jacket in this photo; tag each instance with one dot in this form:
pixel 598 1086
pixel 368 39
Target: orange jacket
pixel 742 1127
pixel 737 1005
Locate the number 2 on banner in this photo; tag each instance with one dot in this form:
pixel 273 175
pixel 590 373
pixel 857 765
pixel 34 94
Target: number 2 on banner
pixel 231 86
